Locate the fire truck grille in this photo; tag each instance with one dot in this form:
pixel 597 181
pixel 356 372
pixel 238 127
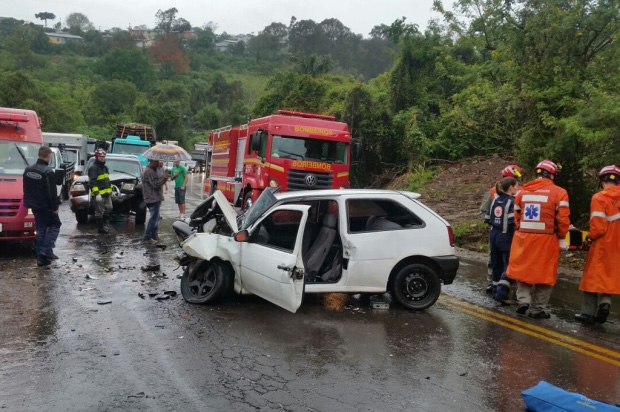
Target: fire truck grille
pixel 303 180
pixel 9 207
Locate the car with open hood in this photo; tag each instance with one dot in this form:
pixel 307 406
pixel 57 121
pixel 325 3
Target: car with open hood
pixel 324 241
pixel 126 179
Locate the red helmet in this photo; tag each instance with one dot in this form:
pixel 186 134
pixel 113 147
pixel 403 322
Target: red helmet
pixel 610 173
pixel 99 153
pixel 547 166
pixel 513 171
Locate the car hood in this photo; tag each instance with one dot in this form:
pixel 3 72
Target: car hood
pixel 113 177
pixel 229 212
pixel 12 186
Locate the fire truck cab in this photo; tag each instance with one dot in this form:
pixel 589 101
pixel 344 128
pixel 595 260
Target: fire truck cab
pixel 290 150
pixel 20 139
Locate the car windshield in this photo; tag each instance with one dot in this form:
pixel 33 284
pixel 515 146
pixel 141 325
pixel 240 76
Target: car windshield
pixel 309 149
pixel 122 148
pixel 128 166
pixel 263 203
pixel 70 155
pixel 15 156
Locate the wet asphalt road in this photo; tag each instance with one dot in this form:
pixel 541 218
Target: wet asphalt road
pixel 60 349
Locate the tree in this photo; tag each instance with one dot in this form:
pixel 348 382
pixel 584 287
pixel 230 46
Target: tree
pixel 45 16
pixel 168 22
pixel 167 53
pixel 78 23
pixel 127 64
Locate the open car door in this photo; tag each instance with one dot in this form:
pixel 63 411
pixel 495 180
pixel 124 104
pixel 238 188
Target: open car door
pixel 271 263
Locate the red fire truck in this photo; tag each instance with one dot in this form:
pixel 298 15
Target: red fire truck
pixel 290 150
pixel 20 139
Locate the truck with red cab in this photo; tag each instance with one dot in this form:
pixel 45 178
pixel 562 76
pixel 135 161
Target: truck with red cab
pixel 289 150
pixel 20 139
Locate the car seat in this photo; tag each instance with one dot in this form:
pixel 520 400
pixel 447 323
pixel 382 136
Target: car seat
pixel 316 254
pixel 380 223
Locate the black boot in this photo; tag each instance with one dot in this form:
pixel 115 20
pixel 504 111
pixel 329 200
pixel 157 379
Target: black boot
pixel 582 317
pixel 102 229
pixel 603 312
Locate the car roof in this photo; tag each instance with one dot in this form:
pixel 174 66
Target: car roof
pixel 343 193
pixel 120 156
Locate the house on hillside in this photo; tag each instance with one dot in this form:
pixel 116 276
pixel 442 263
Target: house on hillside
pixel 225 44
pixel 62 38
pixel 144 37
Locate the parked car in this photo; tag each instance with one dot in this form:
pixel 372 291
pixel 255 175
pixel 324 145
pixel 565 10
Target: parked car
pixel 190 165
pixel 126 179
pixel 323 241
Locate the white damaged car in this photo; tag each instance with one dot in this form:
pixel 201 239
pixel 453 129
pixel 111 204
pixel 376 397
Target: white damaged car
pixel 320 241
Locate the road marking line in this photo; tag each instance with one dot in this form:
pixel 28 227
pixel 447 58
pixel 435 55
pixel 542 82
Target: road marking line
pixel 556 338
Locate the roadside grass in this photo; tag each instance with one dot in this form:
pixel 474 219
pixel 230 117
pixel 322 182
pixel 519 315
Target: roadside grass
pixel 473 235
pixel 420 176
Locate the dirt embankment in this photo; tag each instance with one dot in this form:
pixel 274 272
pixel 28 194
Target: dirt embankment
pixel 456 192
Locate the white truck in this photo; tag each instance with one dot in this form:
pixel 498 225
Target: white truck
pixel 73 146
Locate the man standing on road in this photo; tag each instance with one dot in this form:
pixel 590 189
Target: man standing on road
pixel 179 174
pixel 100 190
pixel 40 196
pixel 542 221
pixel 152 186
pixel 601 277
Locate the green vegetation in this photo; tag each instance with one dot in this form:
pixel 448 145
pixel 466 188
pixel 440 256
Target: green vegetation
pixel 523 79
pixel 468 233
pixel 419 177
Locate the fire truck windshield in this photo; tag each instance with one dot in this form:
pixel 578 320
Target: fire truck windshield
pixel 12 155
pixel 300 148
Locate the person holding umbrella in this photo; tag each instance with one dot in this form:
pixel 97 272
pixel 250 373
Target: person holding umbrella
pixel 152 183
pixel 153 196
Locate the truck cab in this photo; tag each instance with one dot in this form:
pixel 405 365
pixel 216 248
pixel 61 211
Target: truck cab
pixel 132 145
pixel 20 139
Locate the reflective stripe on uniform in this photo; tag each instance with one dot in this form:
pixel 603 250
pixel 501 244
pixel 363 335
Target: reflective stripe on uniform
pixel 103 176
pixel 613 217
pixel 598 214
pixel 563 203
pixel 533 225
pixel 518 208
pixel 535 198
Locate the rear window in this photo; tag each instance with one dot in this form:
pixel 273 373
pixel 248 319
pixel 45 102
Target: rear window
pixel 370 215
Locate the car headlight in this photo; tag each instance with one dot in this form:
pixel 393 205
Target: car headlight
pixel 30 211
pixel 128 187
pixel 273 182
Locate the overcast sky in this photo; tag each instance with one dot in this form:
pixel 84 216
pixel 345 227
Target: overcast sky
pixel 231 16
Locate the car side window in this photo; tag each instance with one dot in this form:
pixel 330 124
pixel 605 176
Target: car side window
pixel 278 230
pixel 372 215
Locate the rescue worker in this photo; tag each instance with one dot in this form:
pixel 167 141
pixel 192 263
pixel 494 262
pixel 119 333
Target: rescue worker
pixel 40 195
pixel 100 190
pixel 513 171
pixel 601 276
pixel 501 219
pixel 542 221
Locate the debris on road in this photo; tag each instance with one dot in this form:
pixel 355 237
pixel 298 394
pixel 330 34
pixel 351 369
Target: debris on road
pixel 151 268
pixel 103 302
pixel 91 277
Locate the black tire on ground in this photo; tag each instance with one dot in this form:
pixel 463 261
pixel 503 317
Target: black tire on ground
pixel 209 284
pixel 81 216
pixel 416 286
pixel 141 214
pixel 247 200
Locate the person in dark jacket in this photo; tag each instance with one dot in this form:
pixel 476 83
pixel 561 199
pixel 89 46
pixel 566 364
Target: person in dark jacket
pixel 501 218
pixel 100 190
pixel 152 185
pixel 41 197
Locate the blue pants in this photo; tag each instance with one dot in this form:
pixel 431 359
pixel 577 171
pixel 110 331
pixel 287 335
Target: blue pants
pixel 151 227
pixel 47 224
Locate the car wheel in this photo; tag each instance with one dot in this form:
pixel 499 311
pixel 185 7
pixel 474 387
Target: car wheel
pixel 141 214
pixel 81 216
pixel 247 200
pixel 209 284
pixel 416 286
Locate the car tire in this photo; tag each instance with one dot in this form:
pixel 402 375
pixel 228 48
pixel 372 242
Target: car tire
pixel 209 284
pixel 247 200
pixel 81 216
pixel 141 214
pixel 416 286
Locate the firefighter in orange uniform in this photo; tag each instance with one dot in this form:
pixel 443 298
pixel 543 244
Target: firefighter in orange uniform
pixel 513 171
pixel 601 276
pixel 542 221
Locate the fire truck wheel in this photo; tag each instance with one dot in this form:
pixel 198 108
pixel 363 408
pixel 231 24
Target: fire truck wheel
pixel 247 200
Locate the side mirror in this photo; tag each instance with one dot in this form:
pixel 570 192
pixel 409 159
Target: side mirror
pixel 242 236
pixel 59 175
pixel 356 150
pixel 255 140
